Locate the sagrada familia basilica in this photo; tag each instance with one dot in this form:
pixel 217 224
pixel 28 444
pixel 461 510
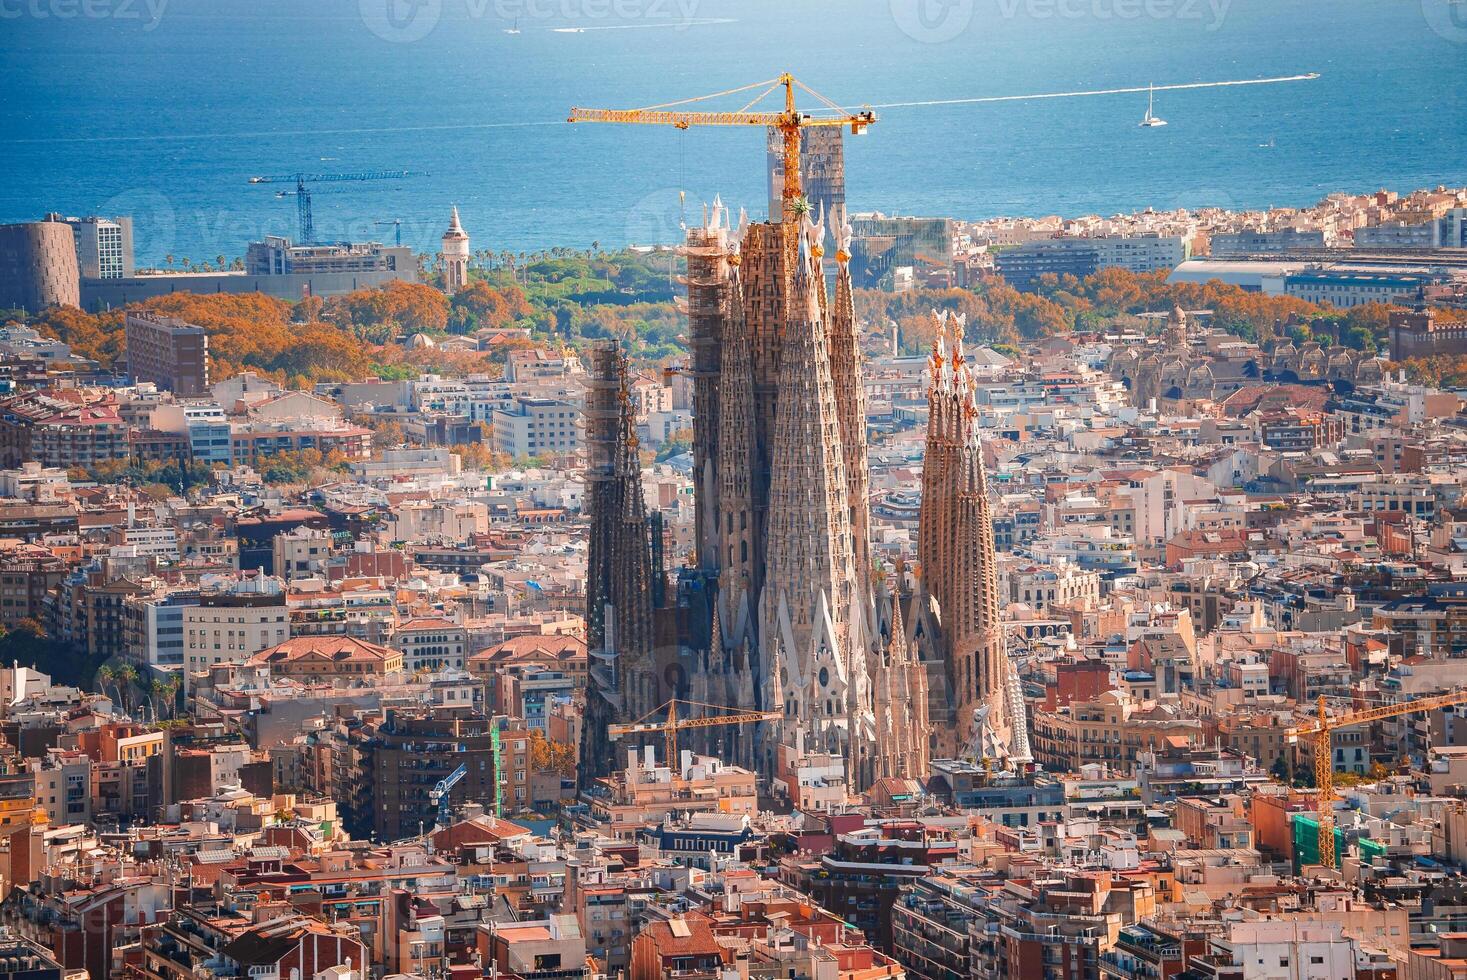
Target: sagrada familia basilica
pixel 782 607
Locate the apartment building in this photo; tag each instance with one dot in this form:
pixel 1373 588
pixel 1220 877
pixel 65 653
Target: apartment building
pixel 235 623
pixel 172 354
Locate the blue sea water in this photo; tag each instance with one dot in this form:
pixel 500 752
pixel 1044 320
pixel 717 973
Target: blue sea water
pixel 164 108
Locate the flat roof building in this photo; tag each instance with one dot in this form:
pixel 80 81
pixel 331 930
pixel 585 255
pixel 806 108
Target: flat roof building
pixel 167 351
pixel 277 256
pixel 103 245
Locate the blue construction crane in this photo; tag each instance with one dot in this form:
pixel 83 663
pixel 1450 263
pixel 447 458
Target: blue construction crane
pixel 303 195
pixel 439 795
pixel 396 224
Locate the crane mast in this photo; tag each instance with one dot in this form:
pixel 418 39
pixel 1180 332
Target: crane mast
pixel 1320 732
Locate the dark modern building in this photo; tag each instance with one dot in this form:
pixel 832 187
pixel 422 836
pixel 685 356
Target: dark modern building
pixel 882 243
pixel 862 877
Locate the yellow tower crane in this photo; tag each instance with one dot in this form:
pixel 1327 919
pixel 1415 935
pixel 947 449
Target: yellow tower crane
pixel 1320 731
pixel 789 121
pixel 673 724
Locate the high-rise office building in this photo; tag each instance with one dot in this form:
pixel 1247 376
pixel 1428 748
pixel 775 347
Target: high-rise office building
pixel 103 245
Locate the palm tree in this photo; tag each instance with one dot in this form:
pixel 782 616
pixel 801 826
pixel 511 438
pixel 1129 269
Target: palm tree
pixel 156 694
pixel 219 262
pixel 168 260
pixel 165 691
pixel 105 674
pixel 126 675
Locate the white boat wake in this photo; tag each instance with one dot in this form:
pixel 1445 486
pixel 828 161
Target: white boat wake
pixel 1307 77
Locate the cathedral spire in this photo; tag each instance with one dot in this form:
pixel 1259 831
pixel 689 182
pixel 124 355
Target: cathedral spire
pixel 955 546
pixel 805 626
pixel 739 558
pixel 619 633
pixel 850 400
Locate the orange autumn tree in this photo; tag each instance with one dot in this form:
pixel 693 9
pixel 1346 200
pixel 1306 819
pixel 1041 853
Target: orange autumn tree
pixel 98 337
pixel 247 331
pixel 549 756
pixel 479 305
pixel 381 315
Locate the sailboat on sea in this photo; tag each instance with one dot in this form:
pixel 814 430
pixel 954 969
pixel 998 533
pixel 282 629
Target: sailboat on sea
pixel 1152 119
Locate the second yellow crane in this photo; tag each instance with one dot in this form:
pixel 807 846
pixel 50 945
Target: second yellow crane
pixel 1320 731
pixel 669 727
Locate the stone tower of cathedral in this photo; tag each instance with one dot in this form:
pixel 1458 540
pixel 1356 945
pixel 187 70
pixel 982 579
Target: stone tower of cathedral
pixel 975 704
pixel 850 399
pixel 619 577
pixel 812 642
pixel 787 610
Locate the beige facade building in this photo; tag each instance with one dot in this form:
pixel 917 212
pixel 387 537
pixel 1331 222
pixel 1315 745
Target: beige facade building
pixel 1110 729
pixel 234 625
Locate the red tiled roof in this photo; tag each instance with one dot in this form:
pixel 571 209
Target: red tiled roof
pixel 558 647
pixel 338 649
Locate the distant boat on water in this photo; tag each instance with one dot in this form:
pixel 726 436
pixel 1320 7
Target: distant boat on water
pixel 1152 119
